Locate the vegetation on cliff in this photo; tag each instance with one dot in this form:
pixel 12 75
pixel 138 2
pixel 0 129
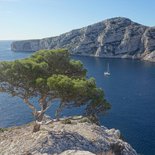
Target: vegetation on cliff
pixel 50 75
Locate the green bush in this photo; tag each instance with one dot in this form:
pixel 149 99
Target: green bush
pixel 66 121
pixel 85 119
pixel 2 129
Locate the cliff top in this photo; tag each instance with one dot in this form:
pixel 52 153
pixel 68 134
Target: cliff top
pixel 117 37
pixel 114 20
pixel 76 135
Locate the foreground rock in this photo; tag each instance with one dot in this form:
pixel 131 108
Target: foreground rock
pixel 74 136
pixel 116 37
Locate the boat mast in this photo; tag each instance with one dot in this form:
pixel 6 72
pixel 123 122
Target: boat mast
pixel 108 68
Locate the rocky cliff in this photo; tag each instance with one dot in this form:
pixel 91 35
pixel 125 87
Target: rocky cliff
pixel 71 136
pixel 116 37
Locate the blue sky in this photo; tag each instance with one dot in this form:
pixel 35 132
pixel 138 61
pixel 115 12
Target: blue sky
pixel 31 19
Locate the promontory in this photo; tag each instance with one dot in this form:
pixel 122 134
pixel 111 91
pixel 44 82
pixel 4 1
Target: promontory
pixel 70 136
pixel 116 37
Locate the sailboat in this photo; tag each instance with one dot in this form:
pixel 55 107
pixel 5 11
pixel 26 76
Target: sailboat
pixel 107 73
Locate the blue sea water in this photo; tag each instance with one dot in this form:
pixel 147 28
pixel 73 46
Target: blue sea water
pixel 130 89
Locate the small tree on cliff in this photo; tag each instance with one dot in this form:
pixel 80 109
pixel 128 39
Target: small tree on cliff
pixel 49 75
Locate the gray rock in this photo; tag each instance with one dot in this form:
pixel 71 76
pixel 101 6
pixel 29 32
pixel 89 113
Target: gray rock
pixel 76 152
pixel 57 138
pixel 26 45
pixel 115 37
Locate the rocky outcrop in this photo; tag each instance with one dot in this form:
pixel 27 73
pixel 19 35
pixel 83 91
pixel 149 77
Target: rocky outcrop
pixel 115 37
pixel 71 136
pixel 26 45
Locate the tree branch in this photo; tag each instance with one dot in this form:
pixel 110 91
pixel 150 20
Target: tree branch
pixel 42 102
pixel 59 109
pixel 29 105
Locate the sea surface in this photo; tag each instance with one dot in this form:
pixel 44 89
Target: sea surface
pixel 130 89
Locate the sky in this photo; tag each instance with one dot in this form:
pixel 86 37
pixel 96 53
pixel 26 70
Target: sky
pixel 36 19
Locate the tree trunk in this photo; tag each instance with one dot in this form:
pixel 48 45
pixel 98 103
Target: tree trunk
pixel 58 111
pixel 38 117
pixel 36 127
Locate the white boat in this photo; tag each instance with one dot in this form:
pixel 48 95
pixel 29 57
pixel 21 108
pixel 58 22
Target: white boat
pixel 107 73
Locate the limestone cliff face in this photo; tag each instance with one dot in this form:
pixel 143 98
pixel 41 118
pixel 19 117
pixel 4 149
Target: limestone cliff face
pixel 71 136
pixel 115 37
pixel 26 45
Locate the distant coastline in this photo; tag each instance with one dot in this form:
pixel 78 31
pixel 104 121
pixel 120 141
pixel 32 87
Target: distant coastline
pixel 112 38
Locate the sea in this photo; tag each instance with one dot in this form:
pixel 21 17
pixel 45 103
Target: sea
pixel 130 89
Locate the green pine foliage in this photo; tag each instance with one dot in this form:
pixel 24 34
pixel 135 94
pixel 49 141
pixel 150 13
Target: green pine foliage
pixel 50 75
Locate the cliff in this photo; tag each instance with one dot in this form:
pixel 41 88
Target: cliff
pixel 116 37
pixel 71 136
